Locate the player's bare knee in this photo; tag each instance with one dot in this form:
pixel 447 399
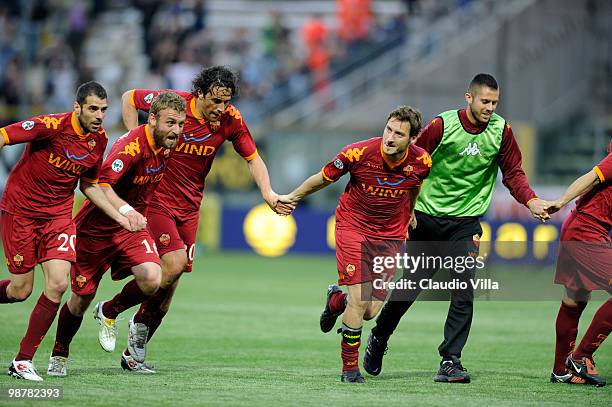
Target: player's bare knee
pixel 173 264
pixel 19 293
pixel 150 282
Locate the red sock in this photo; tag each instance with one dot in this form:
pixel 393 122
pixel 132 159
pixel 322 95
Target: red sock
pixel 41 318
pixel 567 329
pixel 67 326
pixel 155 322
pixel 4 299
pixel 128 297
pixel 150 305
pixel 598 331
pixel 337 302
pixel 351 339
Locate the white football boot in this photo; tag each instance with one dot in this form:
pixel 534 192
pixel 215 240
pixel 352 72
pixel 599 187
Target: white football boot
pixel 130 364
pixel 107 335
pixel 137 340
pixel 58 366
pixel 24 369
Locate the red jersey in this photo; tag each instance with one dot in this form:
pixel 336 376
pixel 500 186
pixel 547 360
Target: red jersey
pixel 134 168
pixel 376 200
pixel 58 154
pixel 182 190
pixel 597 203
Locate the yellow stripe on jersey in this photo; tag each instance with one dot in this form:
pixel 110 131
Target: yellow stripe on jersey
pixel 325 176
pixel 7 141
pixel 599 174
pixel 251 157
pixel 132 97
pixel 89 180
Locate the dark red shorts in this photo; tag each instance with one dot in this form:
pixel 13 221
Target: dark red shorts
pixel 29 241
pixel 584 262
pixel 354 257
pixel 171 234
pixel 119 252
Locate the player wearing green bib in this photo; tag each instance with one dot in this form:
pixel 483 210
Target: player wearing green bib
pixel 467 147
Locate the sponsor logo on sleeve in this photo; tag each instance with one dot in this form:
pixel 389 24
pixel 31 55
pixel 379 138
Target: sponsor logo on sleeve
pixel 338 164
pixel 425 158
pixel 132 148
pixel 354 154
pixel 50 122
pixel 117 165
pixel 28 125
pixel 149 98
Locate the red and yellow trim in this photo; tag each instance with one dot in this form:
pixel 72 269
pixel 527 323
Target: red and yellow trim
pixel 132 97
pixel 599 174
pixel 7 140
pixel 74 121
pixel 104 184
pixel 532 199
pixel 89 180
pixel 252 156
pixel 325 177
pixel 390 163
pixel 151 141
pixel 194 111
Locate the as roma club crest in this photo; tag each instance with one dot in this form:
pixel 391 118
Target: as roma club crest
pixel 91 144
pixel 18 260
pixel 164 239
pixel 81 280
pixel 407 169
pixel 350 269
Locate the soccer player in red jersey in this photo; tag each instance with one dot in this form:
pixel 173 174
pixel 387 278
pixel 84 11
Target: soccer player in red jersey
pixel 584 264
pixel 175 208
pixel 134 168
pixel 377 205
pixel 37 226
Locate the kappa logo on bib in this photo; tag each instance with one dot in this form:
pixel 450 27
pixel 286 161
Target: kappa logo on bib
pixel 471 149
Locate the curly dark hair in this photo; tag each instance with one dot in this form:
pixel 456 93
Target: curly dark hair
pixel 208 78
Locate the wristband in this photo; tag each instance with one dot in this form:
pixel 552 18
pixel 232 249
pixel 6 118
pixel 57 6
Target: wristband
pixel 125 209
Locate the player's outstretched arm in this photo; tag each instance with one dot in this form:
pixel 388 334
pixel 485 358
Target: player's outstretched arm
pixel 312 184
pixel 260 175
pixel 580 186
pixel 114 207
pixel 128 111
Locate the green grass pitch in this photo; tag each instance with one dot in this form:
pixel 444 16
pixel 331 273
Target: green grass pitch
pixel 243 331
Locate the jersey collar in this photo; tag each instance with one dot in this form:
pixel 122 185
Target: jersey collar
pixel 151 141
pixel 194 112
pixel 76 126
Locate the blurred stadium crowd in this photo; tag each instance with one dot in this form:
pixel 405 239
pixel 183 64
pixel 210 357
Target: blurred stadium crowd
pixel 44 48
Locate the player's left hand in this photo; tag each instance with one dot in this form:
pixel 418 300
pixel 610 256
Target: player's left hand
pixel 538 208
pixel 137 221
pixel 287 203
pixel 281 208
pixel 554 206
pixel 413 221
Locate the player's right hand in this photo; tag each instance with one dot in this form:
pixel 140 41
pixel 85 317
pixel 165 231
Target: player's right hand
pixel 554 206
pixel 285 205
pixel 136 221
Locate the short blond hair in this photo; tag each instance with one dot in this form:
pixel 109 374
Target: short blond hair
pixel 167 100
